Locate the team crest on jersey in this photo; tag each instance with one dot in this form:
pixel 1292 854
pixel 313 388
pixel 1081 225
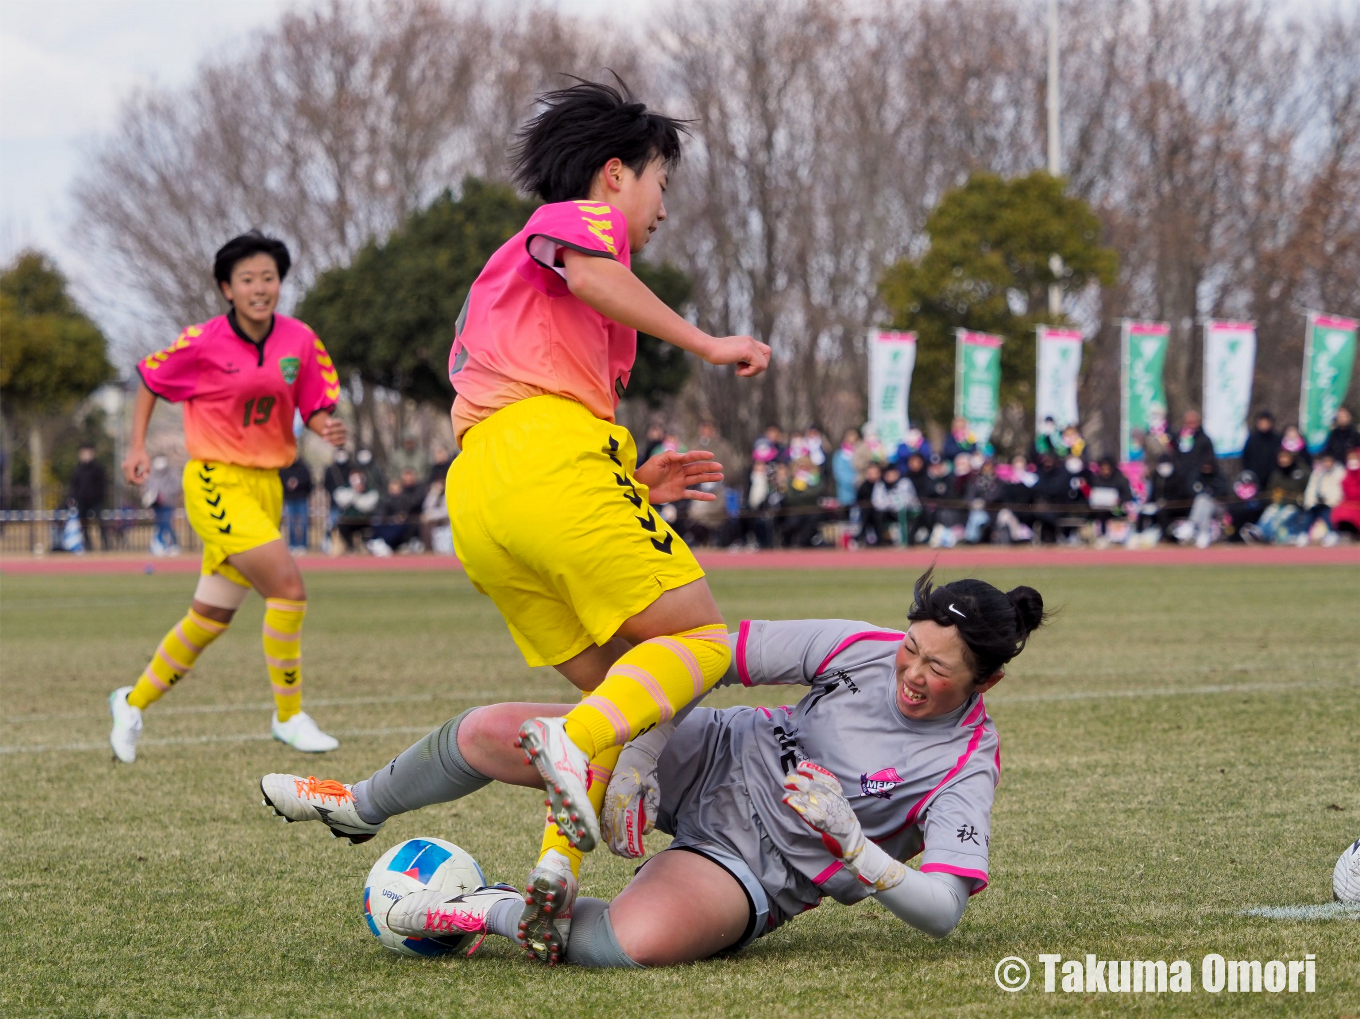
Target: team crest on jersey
pixel 881 783
pixel 289 366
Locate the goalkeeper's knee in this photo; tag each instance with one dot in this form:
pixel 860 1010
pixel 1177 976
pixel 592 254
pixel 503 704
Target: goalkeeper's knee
pixel 592 942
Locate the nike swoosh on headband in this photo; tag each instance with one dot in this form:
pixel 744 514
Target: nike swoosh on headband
pixel 956 611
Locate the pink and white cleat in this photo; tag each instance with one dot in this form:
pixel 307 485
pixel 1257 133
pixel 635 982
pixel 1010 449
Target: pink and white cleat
pixel 436 914
pixel 566 775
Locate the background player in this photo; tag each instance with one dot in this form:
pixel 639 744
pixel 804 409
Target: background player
pixel 240 376
pixel 551 517
pixel 890 754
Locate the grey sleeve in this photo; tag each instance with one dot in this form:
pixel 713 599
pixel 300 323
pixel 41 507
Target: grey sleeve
pixel 933 903
pixel 957 828
pixel 788 651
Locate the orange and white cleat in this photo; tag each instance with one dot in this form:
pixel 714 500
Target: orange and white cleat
pixel 295 798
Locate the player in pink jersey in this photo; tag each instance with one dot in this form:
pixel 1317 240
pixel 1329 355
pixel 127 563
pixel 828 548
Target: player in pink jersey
pixel 551 514
pixel 241 376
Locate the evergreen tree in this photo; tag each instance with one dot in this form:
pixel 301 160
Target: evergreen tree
pixel 52 356
pixel 988 268
pixel 389 315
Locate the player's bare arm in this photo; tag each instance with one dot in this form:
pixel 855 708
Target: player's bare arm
pixel 611 289
pixel 137 465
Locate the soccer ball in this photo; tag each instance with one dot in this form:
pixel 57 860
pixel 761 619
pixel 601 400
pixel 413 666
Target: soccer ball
pixel 409 867
pixel 1346 877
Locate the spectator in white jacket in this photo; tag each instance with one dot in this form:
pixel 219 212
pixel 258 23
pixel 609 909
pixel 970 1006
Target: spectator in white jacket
pixel 1322 494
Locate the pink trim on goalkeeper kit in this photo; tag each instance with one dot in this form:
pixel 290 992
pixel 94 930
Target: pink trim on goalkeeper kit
pixel 743 632
pixel 826 875
pixel 949 868
pixel 855 637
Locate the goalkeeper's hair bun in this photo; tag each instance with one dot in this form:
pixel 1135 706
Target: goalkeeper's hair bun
pixel 994 625
pixel 1029 609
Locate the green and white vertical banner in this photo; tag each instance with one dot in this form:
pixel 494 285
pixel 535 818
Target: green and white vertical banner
pixel 1328 358
pixel 892 356
pixel 977 381
pixel 1229 364
pixel 1059 361
pixel 1142 349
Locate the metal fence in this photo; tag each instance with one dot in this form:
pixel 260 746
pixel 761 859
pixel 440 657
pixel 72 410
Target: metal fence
pixel 123 530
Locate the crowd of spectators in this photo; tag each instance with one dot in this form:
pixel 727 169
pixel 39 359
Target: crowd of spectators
pixel 798 490
pixel 402 511
pixel 795 490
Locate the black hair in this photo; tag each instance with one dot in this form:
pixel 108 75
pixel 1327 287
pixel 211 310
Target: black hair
pixel 240 248
pixel 559 152
pixel 994 626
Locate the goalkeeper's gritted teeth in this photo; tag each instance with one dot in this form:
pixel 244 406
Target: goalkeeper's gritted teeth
pixel 911 696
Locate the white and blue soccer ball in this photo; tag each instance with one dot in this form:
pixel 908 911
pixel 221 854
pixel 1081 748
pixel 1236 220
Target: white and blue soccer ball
pixel 1346 876
pixel 411 866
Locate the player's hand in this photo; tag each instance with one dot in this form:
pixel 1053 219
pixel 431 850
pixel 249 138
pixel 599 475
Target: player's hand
pixel 331 429
pixel 672 476
pixel 136 466
pixel 630 803
pixel 816 795
pixel 749 355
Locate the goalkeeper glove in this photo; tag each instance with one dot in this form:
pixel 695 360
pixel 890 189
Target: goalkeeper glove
pixel 816 795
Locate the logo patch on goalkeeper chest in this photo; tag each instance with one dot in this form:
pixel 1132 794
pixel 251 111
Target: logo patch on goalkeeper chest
pixel 881 783
pixel 289 367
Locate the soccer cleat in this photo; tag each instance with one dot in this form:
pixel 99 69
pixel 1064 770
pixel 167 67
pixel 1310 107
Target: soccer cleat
pixel 295 798
pixel 127 725
pixel 432 914
pixel 549 896
pixel 565 772
pixel 301 733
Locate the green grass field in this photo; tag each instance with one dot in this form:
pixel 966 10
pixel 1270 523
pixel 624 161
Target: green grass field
pixel 1179 746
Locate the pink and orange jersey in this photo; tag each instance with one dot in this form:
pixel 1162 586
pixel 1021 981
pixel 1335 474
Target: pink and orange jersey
pixel 239 396
pixel 524 334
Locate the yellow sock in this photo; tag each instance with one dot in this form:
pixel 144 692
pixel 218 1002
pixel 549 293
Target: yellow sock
pixel 283 653
pixel 178 651
pixel 601 771
pixel 648 685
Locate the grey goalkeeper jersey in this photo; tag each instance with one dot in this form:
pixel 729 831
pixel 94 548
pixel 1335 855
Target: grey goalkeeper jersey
pixel 916 787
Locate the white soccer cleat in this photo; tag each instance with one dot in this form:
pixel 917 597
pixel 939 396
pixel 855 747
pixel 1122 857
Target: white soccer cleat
pixel 295 798
pixel 566 776
pixel 1346 875
pixel 433 914
pixel 301 733
pixel 549 895
pixel 127 725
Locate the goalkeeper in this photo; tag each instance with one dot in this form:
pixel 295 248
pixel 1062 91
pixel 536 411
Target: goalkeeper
pixel 890 754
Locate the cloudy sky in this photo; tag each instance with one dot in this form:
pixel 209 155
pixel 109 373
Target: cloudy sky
pixel 65 65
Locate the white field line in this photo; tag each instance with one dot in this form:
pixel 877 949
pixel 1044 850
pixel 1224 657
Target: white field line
pixel 1168 691
pixel 1322 911
pixel 180 741
pixel 1081 695
pixel 312 702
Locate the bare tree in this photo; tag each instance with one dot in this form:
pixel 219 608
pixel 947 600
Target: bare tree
pixel 1218 140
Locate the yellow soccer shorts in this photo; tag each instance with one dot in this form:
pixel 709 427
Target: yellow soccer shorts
pixel 550 523
pixel 233 509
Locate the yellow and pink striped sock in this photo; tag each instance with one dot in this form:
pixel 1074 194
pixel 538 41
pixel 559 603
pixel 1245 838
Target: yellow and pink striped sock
pixel 175 656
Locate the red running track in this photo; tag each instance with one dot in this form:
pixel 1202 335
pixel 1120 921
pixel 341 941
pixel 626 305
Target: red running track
pixel 799 559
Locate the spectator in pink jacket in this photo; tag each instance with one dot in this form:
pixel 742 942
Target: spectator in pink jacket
pixel 1346 517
